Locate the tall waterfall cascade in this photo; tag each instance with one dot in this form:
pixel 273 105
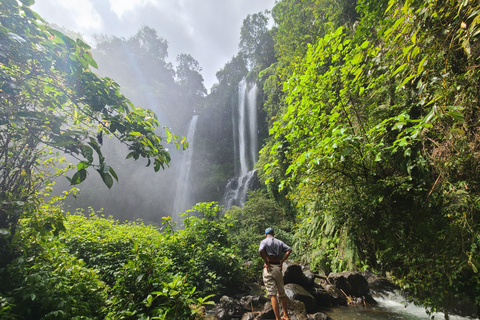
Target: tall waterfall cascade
pixel 246 132
pixel 182 194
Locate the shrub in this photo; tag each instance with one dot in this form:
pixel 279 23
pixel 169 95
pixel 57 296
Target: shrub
pixel 56 285
pixel 203 252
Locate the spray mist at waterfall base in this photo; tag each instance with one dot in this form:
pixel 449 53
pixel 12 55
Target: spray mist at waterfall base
pixel 390 306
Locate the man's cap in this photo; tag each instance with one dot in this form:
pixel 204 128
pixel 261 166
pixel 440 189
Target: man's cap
pixel 269 231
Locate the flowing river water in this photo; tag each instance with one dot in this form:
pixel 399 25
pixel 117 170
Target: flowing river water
pixel 390 306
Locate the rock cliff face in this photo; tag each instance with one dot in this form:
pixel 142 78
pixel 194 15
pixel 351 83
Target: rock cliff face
pixel 307 294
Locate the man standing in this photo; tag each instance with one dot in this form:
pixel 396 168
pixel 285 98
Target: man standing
pixel 270 251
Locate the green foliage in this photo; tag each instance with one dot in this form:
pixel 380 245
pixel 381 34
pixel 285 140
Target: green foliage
pixel 99 268
pixel 105 244
pixel 142 274
pixel 53 284
pixel 256 42
pixel 248 224
pixel 50 97
pixel 176 301
pixel 202 251
pixel 6 309
pixel 374 139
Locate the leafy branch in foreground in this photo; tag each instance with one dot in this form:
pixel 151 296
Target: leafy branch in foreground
pixel 50 97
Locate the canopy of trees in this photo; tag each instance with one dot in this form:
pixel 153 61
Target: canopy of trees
pixel 370 161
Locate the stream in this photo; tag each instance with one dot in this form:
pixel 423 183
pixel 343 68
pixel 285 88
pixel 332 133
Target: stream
pixel 392 306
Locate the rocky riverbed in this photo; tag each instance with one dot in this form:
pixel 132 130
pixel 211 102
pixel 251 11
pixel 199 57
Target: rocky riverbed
pixel 308 294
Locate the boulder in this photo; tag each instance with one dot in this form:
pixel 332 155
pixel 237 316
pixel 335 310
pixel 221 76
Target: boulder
pixel 252 303
pixel 379 284
pixel 466 308
pixel 335 296
pixel 309 277
pixel 297 292
pixel 293 273
pixel 267 312
pixel 296 311
pixel 228 308
pixel 353 284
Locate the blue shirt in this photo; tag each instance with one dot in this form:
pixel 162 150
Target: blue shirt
pixel 273 247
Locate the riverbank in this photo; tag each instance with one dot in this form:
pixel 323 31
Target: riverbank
pixel 338 296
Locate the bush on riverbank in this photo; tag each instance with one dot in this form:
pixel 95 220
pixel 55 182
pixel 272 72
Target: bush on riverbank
pixel 100 268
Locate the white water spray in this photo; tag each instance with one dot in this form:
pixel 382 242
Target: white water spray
pixel 390 305
pixel 182 194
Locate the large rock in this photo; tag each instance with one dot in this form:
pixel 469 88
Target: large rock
pixel 466 308
pixel 335 296
pixel 328 296
pixel 296 311
pixel 378 284
pixel 293 273
pixel 353 284
pixel 228 308
pixel 309 277
pixel 253 303
pixel 297 292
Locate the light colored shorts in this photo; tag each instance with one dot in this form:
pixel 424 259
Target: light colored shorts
pixel 273 281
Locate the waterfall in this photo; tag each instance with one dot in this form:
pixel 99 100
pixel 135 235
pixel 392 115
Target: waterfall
pixel 252 112
pixel 246 132
pixel 242 89
pixel 182 194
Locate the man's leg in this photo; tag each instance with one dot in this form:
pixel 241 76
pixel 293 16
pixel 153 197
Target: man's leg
pixel 275 306
pixel 284 302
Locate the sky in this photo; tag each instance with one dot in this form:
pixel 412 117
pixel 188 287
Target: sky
pixel 209 30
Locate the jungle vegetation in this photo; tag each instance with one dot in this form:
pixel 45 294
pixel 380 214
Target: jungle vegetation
pixel 370 159
pixel 373 119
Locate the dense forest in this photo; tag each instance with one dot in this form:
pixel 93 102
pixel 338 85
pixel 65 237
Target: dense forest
pixel 369 158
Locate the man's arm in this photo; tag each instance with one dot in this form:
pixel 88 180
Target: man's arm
pixel 285 257
pixel 265 259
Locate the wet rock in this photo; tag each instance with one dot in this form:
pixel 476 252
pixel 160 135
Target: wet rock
pixel 309 277
pixel 378 284
pixel 296 311
pixel 228 308
pixel 252 302
pixel 322 297
pixel 353 284
pixel 293 273
pixel 466 308
pixel 267 312
pixel 249 316
pixel 336 297
pixel 297 292
pixel 318 316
